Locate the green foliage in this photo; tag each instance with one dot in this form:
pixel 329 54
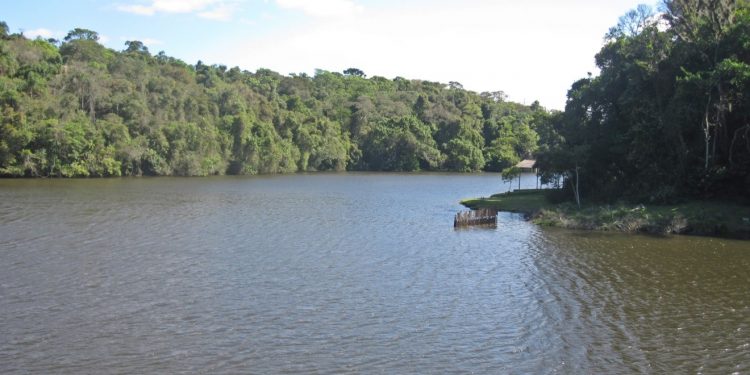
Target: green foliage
pixel 82 109
pixel 404 144
pixel 667 118
pixel 355 72
pixel 464 155
pixel 81 34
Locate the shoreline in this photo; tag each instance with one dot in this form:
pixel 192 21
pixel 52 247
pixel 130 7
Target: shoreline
pixel 697 218
pixel 326 172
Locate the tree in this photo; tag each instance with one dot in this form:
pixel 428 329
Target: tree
pixel 81 34
pixel 82 45
pixel 509 174
pixel 3 30
pixel 403 144
pixel 81 109
pixel 630 132
pixel 633 22
pixel 354 72
pixel 135 46
pixel 703 25
pixel 453 85
pixel 496 96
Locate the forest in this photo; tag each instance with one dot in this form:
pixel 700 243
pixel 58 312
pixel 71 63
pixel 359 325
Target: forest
pixel 666 118
pixel 74 108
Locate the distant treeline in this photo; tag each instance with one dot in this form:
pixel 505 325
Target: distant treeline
pixel 76 108
pixel 668 117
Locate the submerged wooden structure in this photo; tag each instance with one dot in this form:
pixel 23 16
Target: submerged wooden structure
pixel 484 216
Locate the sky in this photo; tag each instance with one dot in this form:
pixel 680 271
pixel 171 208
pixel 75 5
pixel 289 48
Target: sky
pixel 529 49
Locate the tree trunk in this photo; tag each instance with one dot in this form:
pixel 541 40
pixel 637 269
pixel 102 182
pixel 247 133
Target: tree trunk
pixel 578 189
pixel 92 109
pixel 575 186
pixel 707 132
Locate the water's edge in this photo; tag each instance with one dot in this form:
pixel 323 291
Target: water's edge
pixel 707 219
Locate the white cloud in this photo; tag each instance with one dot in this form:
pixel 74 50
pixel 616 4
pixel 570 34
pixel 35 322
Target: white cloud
pixel 151 42
pixel 182 6
pixel 220 10
pixel 530 50
pixel 41 32
pixel 137 9
pixel 322 8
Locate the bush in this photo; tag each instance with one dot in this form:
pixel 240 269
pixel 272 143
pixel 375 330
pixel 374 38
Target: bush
pixel 556 196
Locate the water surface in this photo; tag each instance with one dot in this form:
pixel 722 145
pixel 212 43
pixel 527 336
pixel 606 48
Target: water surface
pixel 337 273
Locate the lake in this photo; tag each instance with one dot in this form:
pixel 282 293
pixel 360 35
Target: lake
pixel 347 273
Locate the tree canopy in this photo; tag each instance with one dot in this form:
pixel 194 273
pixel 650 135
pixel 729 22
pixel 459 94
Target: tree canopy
pixel 81 109
pixel 668 117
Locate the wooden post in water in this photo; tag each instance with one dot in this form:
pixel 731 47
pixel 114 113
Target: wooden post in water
pixel 484 216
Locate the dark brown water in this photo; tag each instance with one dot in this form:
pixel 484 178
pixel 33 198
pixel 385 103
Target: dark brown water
pixel 347 273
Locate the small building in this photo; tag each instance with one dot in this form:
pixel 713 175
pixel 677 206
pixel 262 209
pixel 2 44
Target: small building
pixel 527 165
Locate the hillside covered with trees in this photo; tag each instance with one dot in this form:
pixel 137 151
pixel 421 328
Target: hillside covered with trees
pixel 76 108
pixel 668 117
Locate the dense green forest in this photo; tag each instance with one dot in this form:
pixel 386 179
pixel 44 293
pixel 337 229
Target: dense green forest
pixel 668 117
pixel 75 108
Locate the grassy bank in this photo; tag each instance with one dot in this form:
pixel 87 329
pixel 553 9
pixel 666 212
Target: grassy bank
pixel 526 202
pixel 705 218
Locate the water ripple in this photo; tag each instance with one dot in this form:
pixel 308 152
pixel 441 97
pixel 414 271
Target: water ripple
pixel 346 273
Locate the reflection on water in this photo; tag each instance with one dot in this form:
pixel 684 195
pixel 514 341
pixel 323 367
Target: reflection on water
pixel 347 273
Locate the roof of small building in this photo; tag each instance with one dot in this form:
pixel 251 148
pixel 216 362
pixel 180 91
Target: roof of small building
pixel 526 164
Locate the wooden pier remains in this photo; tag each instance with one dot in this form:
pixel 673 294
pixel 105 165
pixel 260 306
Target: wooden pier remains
pixel 484 216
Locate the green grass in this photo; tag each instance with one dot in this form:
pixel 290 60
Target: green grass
pixel 523 201
pixel 710 218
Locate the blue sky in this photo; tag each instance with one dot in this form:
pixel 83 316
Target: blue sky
pixel 532 50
